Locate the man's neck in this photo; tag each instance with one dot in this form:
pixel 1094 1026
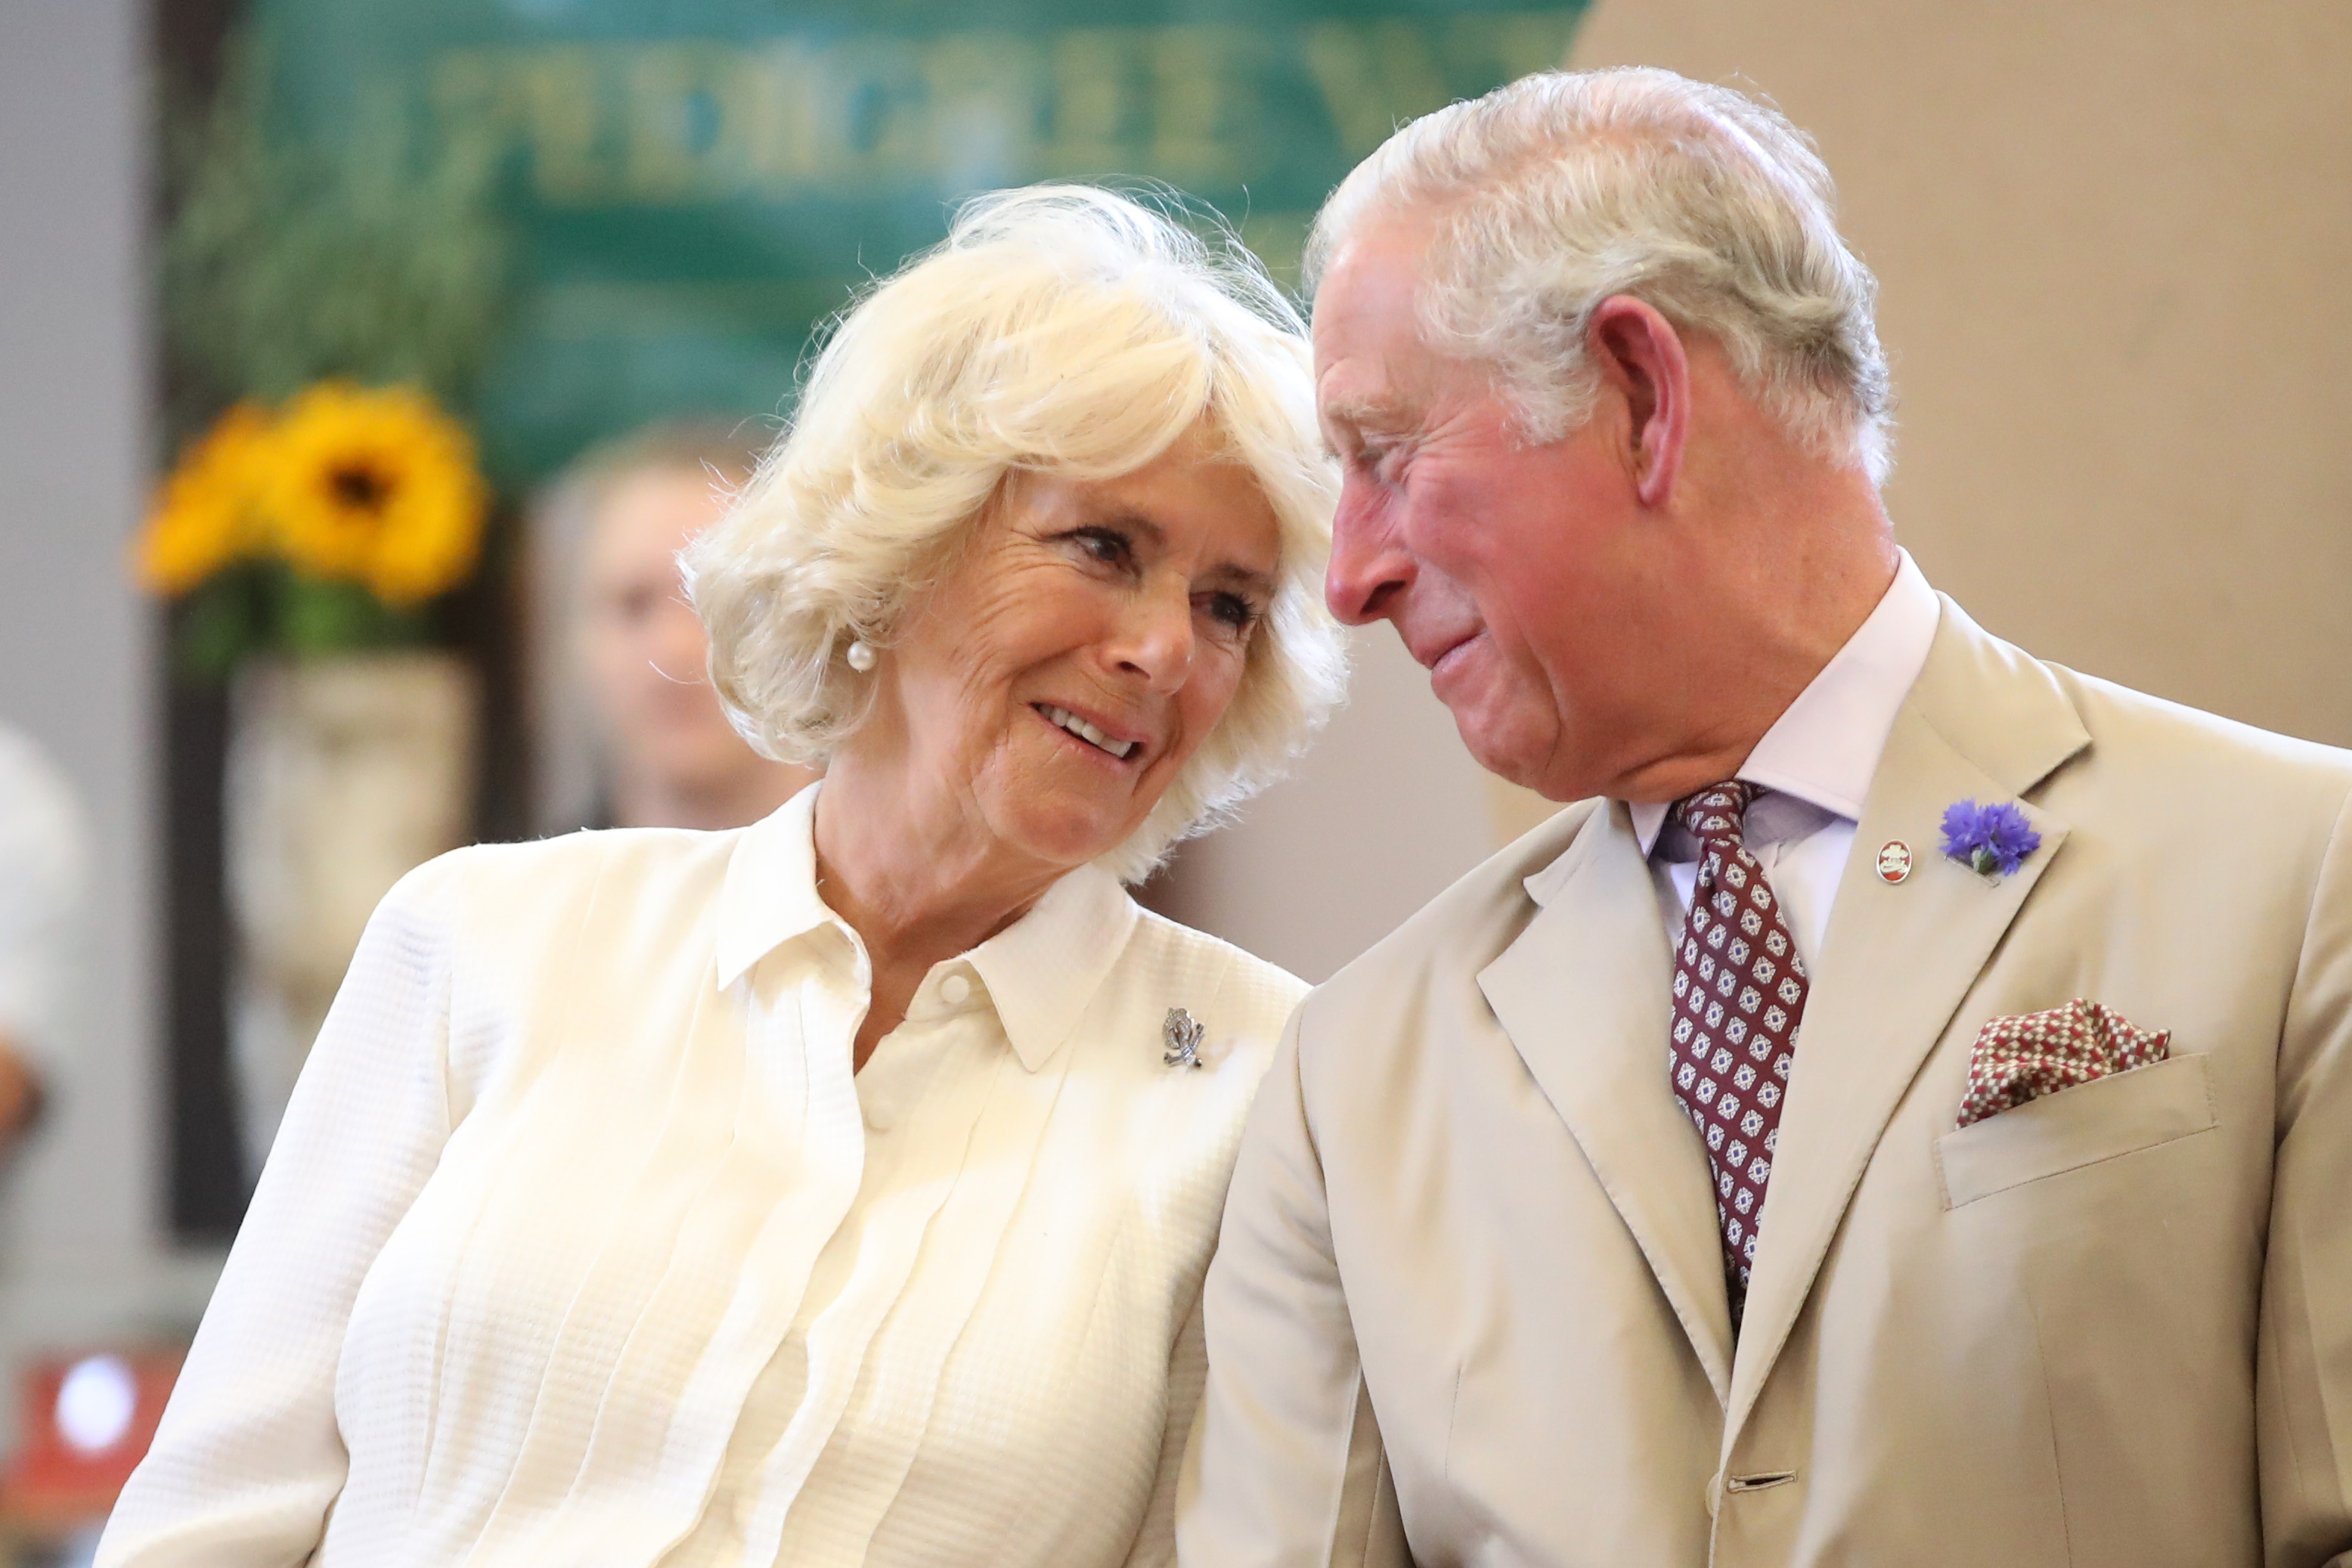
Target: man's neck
pixel 1824 557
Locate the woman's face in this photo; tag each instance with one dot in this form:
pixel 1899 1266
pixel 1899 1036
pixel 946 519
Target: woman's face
pixel 1088 640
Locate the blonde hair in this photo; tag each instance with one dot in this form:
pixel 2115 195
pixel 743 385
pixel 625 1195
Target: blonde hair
pixel 1063 330
pixel 1563 188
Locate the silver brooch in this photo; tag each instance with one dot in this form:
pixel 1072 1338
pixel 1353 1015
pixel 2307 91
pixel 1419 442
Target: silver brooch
pixel 1181 1034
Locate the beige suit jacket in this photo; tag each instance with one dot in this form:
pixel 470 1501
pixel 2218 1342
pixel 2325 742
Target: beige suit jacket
pixel 1469 1300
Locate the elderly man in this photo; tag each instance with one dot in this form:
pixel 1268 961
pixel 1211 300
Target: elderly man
pixel 1903 1113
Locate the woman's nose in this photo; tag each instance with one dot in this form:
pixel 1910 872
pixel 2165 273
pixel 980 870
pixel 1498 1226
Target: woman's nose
pixel 1370 566
pixel 1156 638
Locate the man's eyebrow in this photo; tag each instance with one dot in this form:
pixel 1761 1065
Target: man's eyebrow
pixel 1365 411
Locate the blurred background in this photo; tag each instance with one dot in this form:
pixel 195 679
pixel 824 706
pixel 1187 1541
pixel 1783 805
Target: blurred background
pixel 361 365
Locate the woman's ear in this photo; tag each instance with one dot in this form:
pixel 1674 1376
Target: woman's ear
pixel 1640 356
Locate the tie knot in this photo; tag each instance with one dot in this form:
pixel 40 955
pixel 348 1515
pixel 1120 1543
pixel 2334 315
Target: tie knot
pixel 1718 812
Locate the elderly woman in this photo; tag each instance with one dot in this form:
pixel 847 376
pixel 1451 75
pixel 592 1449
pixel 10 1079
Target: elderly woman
pixel 836 1190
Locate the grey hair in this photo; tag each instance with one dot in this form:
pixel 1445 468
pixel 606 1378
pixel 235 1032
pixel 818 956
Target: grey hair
pixel 1563 188
pixel 1059 329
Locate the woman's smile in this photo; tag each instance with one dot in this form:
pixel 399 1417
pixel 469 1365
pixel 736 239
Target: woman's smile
pixel 1099 738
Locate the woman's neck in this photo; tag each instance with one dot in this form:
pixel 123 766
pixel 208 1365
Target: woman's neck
pixel 918 882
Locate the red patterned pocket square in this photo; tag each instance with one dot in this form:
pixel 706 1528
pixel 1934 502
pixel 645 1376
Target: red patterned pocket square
pixel 2033 1053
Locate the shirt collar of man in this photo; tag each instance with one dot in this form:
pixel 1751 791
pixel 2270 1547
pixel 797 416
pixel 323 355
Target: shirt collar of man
pixel 1825 749
pixel 1039 974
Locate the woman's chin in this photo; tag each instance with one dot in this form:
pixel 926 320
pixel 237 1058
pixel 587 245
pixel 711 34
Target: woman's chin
pixel 1064 838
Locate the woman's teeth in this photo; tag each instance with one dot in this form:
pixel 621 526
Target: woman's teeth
pixel 1085 731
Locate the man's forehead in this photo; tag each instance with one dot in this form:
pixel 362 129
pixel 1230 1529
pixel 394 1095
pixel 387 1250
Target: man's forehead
pixel 1370 356
pixel 1380 383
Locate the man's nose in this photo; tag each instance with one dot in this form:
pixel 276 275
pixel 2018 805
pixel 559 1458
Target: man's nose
pixel 1370 569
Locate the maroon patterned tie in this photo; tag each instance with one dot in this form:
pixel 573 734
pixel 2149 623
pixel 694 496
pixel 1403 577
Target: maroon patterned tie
pixel 1739 995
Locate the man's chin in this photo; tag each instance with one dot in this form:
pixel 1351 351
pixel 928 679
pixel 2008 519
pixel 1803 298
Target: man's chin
pixel 1509 757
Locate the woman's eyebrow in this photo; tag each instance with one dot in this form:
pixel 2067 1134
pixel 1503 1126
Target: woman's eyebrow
pixel 1234 574
pixel 1128 518
pixel 1225 574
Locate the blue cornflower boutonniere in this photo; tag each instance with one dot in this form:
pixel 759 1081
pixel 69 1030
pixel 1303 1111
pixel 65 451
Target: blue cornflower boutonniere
pixel 1989 839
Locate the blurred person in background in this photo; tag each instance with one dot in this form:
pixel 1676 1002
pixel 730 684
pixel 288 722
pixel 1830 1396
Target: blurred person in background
pixel 43 871
pixel 836 1190
pixel 631 733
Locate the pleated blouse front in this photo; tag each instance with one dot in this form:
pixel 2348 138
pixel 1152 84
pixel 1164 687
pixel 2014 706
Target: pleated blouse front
pixel 582 1243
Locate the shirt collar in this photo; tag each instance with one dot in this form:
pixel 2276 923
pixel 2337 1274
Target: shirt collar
pixel 1040 973
pixel 1824 749
pixel 769 896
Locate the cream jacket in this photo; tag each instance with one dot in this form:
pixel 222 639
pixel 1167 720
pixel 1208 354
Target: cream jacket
pixel 582 1245
pixel 1469 1298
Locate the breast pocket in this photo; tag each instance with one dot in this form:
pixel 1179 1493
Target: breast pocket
pixel 2103 1119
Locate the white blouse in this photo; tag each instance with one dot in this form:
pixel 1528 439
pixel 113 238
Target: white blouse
pixel 583 1245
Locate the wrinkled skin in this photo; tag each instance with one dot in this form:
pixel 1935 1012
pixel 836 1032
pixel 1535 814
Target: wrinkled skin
pixel 1129 603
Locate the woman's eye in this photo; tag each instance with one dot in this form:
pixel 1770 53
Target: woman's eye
pixel 1106 545
pixel 1232 611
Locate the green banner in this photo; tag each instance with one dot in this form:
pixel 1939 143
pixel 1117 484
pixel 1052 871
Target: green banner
pixel 696 183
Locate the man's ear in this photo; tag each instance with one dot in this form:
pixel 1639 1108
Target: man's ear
pixel 1640 355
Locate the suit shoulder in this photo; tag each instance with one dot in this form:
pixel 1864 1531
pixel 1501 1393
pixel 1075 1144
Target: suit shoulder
pixel 2200 753
pixel 1467 925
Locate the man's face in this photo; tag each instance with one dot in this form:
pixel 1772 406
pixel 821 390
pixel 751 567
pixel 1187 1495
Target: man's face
pixel 1513 573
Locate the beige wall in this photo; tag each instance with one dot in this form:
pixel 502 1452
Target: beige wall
pixel 2115 243
pixel 2115 248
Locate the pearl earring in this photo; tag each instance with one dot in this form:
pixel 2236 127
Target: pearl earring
pixel 861 656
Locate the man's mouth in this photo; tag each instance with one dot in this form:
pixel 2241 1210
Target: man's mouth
pixel 1062 717
pixel 1439 660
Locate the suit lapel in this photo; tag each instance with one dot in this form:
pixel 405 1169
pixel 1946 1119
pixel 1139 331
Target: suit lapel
pixel 1582 995
pixel 1982 722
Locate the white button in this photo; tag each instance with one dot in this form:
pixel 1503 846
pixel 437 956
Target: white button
pixel 955 991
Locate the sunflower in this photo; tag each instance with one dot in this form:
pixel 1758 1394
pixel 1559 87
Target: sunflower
pixel 205 517
pixel 374 486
